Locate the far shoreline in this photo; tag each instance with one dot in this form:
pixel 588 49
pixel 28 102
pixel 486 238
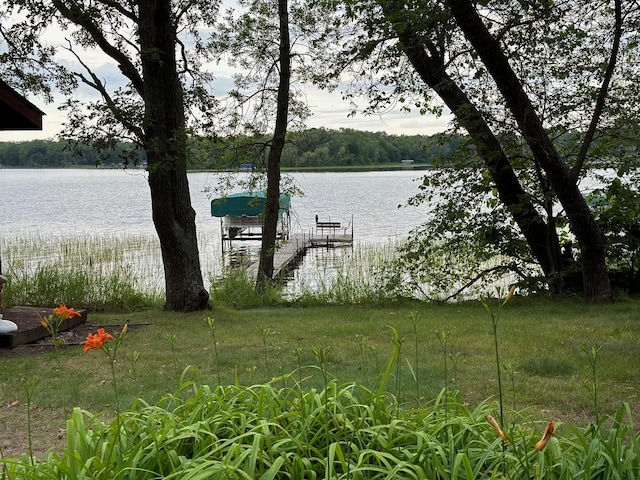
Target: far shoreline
pixel 328 169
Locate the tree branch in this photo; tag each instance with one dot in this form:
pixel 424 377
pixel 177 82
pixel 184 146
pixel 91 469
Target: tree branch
pixel 117 5
pixel 81 17
pixel 602 94
pixel 97 85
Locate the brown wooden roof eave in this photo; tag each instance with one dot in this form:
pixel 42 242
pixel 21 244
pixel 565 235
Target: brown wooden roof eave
pixel 16 112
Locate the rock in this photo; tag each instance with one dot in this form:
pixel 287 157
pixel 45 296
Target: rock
pixel 7 326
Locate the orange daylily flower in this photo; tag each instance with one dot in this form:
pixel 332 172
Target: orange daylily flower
pixel 499 431
pixel 65 312
pixel 96 340
pixel 548 432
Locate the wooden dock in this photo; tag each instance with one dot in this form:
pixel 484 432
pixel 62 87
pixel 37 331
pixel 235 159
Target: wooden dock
pixel 293 250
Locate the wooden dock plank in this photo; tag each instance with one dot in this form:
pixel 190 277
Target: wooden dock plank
pixel 291 252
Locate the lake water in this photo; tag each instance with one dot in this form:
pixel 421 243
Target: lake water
pixel 110 202
pixel 62 203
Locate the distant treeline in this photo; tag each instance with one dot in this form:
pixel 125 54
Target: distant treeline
pixel 316 147
pixel 59 153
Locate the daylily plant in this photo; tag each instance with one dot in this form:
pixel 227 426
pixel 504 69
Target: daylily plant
pixel 53 322
pixel 96 340
pixel 101 341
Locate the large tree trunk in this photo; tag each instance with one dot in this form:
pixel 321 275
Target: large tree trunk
pixel 597 287
pixel 543 242
pixel 165 144
pixel 270 221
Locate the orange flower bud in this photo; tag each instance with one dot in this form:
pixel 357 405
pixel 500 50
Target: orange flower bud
pixel 548 432
pixel 43 321
pixel 512 290
pixel 499 431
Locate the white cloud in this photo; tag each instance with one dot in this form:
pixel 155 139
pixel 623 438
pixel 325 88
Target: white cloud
pixel 330 110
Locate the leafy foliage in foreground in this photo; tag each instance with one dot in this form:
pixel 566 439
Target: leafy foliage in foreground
pixel 343 431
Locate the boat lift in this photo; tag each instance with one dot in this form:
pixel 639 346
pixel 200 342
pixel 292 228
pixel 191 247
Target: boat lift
pixel 241 216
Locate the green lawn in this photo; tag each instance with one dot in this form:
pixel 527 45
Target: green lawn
pixel 544 368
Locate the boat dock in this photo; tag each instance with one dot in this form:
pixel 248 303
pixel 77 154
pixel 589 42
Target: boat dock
pixel 293 250
pixel 241 218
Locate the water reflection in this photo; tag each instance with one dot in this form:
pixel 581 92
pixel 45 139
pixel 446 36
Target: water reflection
pixel 241 255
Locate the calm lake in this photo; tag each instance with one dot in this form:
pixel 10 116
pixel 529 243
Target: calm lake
pixel 61 203
pixel 69 202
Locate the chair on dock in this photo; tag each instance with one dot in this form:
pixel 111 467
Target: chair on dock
pixel 331 233
pixel 330 227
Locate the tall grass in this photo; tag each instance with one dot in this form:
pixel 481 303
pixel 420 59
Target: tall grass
pixel 349 275
pixel 95 272
pixel 235 288
pixel 125 272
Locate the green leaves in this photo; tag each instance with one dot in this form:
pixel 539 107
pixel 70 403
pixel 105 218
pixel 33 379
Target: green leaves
pixel 260 432
pixel 392 360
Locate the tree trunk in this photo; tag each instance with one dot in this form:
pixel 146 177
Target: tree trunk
pixel 597 287
pixel 272 205
pixel 165 144
pixel 544 244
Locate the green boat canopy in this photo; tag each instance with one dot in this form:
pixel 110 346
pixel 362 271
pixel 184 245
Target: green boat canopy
pixel 250 204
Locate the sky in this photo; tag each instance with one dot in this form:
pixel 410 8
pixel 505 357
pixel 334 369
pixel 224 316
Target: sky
pixel 329 111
